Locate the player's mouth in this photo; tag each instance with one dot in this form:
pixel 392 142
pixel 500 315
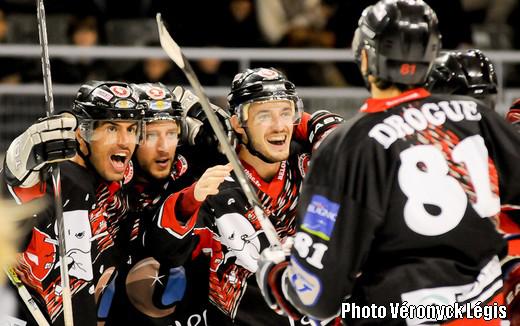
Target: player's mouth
pixel 277 140
pixel 163 162
pixel 119 161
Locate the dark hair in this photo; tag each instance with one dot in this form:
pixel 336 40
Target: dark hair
pixel 81 23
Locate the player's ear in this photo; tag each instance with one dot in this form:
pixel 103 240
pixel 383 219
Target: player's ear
pixel 235 124
pixel 364 61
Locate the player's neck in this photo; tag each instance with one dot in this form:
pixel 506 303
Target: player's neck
pixel 79 160
pixel 265 170
pixel 378 93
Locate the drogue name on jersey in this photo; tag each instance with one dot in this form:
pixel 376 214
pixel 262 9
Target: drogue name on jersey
pixel 413 119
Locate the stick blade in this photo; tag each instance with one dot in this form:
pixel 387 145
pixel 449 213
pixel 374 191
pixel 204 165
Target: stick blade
pixel 168 44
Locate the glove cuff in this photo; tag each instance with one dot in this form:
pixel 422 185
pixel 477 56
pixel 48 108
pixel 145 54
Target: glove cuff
pixel 275 282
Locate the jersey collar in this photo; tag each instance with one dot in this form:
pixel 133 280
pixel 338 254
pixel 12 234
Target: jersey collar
pixel 373 105
pixel 273 188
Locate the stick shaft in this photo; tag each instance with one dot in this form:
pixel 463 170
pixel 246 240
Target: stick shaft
pixel 175 53
pixel 56 176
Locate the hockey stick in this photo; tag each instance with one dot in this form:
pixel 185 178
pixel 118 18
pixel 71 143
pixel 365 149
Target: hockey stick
pixel 26 298
pixel 56 178
pixel 174 52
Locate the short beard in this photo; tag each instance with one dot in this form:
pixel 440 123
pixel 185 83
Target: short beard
pixel 266 158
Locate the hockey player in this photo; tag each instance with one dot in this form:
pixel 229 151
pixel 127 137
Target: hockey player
pixel 513 115
pixel 93 159
pixel 267 115
pixel 396 209
pixel 510 226
pixel 159 284
pixel 465 73
pixel 472 73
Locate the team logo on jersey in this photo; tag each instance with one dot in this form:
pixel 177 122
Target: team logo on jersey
pixel 180 166
pixel 120 91
pixel 306 284
pixel 303 163
pixel 241 239
pixel 129 173
pixel 155 93
pixel 320 217
pixel 40 254
pixel 78 241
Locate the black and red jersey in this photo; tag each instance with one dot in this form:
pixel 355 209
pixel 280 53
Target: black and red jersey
pixel 237 239
pixel 145 291
pixel 94 212
pixel 231 236
pixel 397 208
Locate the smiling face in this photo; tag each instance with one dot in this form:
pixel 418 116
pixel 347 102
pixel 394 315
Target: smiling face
pixel 270 127
pixel 156 155
pixel 111 147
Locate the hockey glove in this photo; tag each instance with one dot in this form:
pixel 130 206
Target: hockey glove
pixel 320 125
pixel 271 267
pixel 199 128
pixel 47 141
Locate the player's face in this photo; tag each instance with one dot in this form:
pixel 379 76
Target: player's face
pixel 111 147
pixel 270 126
pixel 156 155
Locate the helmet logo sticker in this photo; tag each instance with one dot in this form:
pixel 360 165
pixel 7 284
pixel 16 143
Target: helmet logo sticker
pixel 124 104
pixel 120 91
pixel 98 92
pixel 155 93
pixel 268 73
pixel 160 105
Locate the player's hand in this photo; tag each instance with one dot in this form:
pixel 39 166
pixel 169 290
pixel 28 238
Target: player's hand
pixel 210 181
pixel 47 141
pixel 271 268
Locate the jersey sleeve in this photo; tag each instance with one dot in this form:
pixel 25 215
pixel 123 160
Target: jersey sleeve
pixel 503 143
pixel 334 220
pixel 314 128
pixel 170 237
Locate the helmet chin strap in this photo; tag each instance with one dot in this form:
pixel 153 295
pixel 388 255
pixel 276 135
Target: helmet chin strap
pixel 253 151
pixel 86 157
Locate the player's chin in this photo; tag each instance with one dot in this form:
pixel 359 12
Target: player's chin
pixel 111 174
pixel 160 173
pixel 278 156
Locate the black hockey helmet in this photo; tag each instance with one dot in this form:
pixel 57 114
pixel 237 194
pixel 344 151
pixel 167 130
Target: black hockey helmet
pixel 160 104
pixel 106 100
pixel 401 38
pixel 464 73
pixel 261 84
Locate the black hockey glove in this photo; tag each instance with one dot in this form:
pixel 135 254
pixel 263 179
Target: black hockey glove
pixel 321 124
pixel 271 268
pixel 199 128
pixel 47 141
